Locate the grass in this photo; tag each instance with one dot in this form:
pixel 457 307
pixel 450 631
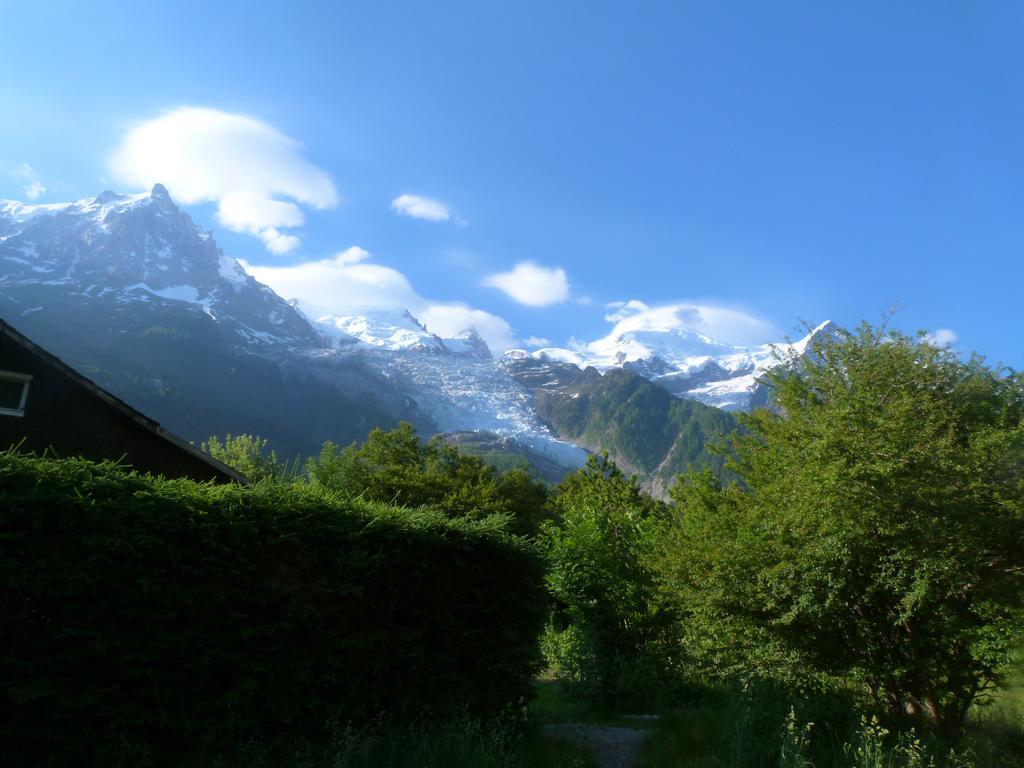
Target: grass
pixel 465 743
pixel 765 728
pixel 556 702
pixel 462 744
pixel 1010 696
pixel 719 727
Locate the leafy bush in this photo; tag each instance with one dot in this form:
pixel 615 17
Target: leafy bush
pixel 171 613
pixel 250 455
pixel 396 467
pixel 613 634
pixel 877 533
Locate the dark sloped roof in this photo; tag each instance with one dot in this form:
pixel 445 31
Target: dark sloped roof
pixel 139 418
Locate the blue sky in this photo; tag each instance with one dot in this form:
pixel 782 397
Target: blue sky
pixel 783 160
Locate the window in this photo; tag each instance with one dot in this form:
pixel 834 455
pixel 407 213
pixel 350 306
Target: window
pixel 13 393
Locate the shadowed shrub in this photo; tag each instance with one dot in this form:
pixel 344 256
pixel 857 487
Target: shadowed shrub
pixel 171 613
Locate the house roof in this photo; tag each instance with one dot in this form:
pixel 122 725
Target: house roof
pixel 139 418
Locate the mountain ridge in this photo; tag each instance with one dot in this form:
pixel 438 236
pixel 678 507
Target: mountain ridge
pixel 130 288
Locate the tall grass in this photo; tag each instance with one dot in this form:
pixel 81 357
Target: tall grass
pixel 1009 698
pixel 764 727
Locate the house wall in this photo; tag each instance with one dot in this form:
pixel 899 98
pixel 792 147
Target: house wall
pixel 71 419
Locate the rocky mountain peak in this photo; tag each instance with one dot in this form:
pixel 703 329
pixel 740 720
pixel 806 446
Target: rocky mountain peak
pixel 469 343
pixel 160 193
pixel 137 250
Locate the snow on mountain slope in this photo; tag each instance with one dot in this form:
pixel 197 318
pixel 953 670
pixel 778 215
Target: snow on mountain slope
pixel 94 210
pixel 659 333
pixel 658 346
pixel 395 330
pixel 385 329
pixel 455 382
pixel 134 250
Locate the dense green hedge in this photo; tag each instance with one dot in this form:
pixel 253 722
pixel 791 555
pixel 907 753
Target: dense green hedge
pixel 171 613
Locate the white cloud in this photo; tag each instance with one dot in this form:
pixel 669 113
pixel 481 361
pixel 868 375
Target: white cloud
pixel 531 284
pixel 352 255
pixel 277 242
pixel 731 326
pixel 941 337
pixel 33 187
pixel 339 284
pixel 619 310
pixel 535 342
pixel 419 207
pixel 256 175
pixel 449 319
pixel 345 284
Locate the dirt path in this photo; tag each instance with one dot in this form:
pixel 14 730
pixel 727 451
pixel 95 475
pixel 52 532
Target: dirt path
pixel 612 747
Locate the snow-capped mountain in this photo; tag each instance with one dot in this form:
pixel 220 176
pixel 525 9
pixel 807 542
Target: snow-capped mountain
pixel 393 330
pixel 122 250
pixel 455 383
pixel 372 328
pixel 135 268
pixel 132 290
pixel 658 346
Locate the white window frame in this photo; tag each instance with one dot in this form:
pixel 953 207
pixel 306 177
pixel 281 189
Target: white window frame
pixel 25 380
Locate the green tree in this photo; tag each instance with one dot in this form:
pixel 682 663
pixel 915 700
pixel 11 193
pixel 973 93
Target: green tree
pixel 599 575
pixel 876 531
pixel 248 454
pixel 395 466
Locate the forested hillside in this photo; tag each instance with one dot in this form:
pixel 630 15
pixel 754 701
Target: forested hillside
pixel 645 430
pixel 174 363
